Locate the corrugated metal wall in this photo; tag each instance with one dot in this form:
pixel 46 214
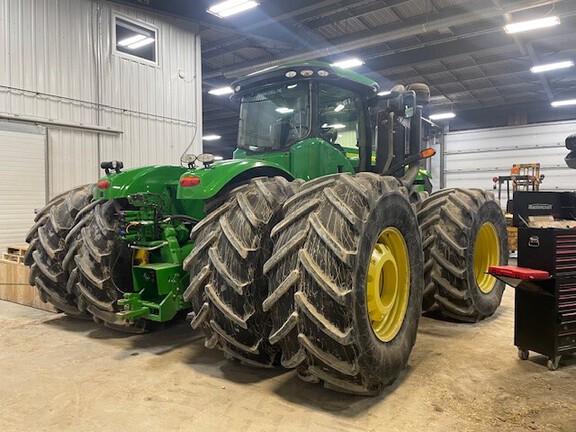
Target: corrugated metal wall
pixel 472 158
pixel 58 65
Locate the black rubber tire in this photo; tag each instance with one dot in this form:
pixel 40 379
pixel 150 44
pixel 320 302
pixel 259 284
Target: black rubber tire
pixel 48 249
pixel 227 286
pixel 450 220
pixel 318 273
pixel 428 219
pixel 101 267
pixel 417 199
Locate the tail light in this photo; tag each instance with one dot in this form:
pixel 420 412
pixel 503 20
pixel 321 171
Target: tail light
pixel 189 181
pixel 103 184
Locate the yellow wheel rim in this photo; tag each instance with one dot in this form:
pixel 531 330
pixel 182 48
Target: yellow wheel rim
pixel 486 254
pixel 388 284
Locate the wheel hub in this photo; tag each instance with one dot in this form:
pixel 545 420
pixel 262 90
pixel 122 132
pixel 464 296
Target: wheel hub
pixel 388 284
pixel 486 254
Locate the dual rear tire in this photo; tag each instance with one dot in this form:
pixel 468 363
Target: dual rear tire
pixel 345 288
pixel 328 277
pixel 48 242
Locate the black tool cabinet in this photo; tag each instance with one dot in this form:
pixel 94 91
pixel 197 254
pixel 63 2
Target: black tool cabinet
pixel 545 310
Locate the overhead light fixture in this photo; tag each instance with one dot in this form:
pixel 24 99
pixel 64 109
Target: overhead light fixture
pixel 334 126
pixel 141 43
pixel 532 24
pixel 132 39
pixel 552 66
pixel 442 116
pixel 221 91
pixel 211 137
pixel 384 93
pixel 565 102
pixel 134 42
pixel 231 7
pixel 284 110
pixel 218 158
pixel 339 108
pixel 348 63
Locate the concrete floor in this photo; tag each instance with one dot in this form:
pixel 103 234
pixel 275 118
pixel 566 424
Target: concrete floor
pixel 58 374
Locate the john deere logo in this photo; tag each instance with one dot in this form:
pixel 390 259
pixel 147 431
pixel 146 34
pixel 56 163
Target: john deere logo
pixel 537 206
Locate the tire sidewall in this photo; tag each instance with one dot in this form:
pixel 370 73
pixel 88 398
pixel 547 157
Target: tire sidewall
pixel 486 303
pixel 388 358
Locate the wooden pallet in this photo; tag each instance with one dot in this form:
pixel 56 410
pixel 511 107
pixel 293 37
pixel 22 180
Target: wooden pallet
pixel 17 249
pixel 15 253
pixel 8 257
pixel 14 285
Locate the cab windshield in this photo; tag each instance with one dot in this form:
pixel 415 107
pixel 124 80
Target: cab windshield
pixel 275 118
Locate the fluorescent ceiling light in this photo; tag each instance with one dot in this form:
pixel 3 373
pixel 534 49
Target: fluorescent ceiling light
pixel 348 63
pixel 141 43
pixel 218 158
pixel 221 91
pixel 442 116
pixel 334 126
pixel 231 7
pixel 339 108
pixel 551 66
pixel 132 39
pixel 384 93
pixel 563 102
pixel 284 110
pixel 211 137
pixel 532 24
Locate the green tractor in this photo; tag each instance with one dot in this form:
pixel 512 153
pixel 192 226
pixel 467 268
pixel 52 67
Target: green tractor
pixel 317 247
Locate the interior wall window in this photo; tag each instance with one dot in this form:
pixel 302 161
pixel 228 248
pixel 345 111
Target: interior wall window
pixel 135 40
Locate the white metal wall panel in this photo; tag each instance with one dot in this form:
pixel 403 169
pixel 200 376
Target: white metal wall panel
pixel 23 162
pixel 59 65
pixel 472 158
pixel 73 159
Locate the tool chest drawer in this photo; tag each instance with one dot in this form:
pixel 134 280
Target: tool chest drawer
pixel 549 249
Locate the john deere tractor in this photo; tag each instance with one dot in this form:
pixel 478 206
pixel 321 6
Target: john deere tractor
pixel 316 247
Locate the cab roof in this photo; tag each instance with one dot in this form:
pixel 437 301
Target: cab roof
pixel 312 70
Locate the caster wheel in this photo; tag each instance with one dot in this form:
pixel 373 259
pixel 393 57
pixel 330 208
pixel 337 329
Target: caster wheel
pixel 523 354
pixel 553 363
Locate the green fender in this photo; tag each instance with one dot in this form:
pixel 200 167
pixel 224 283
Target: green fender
pixel 154 179
pixel 227 173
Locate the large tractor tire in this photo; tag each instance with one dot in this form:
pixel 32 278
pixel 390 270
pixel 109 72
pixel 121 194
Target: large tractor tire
pixel 48 248
pixel 464 233
pixel 102 268
pixel 227 286
pixel 345 282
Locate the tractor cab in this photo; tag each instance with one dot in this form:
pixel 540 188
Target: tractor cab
pixel 305 109
pixel 276 115
pixel 315 119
